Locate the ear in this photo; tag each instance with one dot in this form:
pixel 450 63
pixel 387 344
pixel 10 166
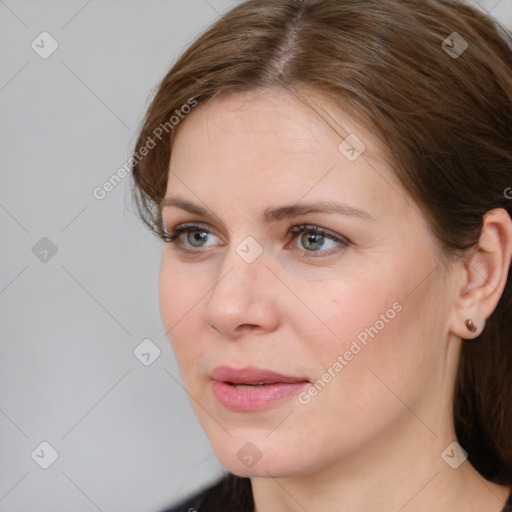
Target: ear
pixel 484 275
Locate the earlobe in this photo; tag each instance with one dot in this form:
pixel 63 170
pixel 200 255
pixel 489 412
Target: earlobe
pixel 484 276
pixel 470 326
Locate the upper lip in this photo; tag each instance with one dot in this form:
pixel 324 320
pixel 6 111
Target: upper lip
pixel 251 375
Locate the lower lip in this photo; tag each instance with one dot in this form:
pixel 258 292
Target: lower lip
pixel 255 399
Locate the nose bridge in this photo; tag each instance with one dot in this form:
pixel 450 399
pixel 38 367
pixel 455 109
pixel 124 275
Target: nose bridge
pixel 242 268
pixel 239 295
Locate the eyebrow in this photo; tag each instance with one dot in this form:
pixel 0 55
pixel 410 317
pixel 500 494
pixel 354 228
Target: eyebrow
pixel 277 213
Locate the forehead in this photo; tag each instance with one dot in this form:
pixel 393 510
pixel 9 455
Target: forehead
pixel 277 118
pixel 256 145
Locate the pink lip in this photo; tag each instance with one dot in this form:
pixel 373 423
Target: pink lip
pixel 277 387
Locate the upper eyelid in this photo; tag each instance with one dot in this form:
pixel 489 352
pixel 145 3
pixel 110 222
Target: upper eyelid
pixel 311 228
pixel 191 226
pixel 201 225
pixel 301 227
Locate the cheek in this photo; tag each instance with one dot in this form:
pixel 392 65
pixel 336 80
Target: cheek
pixel 180 310
pixel 383 349
pixel 353 310
pixel 370 325
pixel 179 290
pixel 354 372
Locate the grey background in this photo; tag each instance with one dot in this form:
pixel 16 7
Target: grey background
pixel 124 432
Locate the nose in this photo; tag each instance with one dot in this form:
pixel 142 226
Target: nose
pixel 243 299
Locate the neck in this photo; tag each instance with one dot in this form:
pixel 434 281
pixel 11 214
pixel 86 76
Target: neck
pixel 400 470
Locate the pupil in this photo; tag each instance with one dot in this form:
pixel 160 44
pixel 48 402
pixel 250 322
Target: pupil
pixel 198 236
pixel 314 239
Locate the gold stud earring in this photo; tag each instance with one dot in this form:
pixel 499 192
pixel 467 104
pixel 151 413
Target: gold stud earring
pixel 470 326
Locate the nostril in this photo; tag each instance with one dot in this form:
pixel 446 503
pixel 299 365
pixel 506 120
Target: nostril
pixel 247 327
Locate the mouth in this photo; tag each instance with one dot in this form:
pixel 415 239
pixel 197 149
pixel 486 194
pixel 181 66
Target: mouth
pixel 251 388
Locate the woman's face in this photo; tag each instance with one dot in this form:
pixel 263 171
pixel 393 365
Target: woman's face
pixel 357 315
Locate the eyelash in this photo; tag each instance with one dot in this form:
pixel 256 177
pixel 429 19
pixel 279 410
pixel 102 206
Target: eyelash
pixel 295 230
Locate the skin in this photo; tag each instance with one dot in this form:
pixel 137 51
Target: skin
pixel 372 438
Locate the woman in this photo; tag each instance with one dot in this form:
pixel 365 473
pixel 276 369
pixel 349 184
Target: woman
pixel 332 179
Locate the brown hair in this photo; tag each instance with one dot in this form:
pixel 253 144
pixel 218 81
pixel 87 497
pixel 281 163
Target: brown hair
pixel 446 119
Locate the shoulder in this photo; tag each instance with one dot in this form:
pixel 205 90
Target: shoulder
pixel 229 493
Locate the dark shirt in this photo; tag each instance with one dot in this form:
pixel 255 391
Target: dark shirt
pixel 232 485
pixel 231 493
pixel 187 506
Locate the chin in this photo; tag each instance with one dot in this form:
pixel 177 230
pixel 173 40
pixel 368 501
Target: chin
pixel 247 459
pixel 263 469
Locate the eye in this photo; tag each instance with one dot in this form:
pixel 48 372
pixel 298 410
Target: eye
pixel 316 239
pixel 189 236
pixel 195 235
